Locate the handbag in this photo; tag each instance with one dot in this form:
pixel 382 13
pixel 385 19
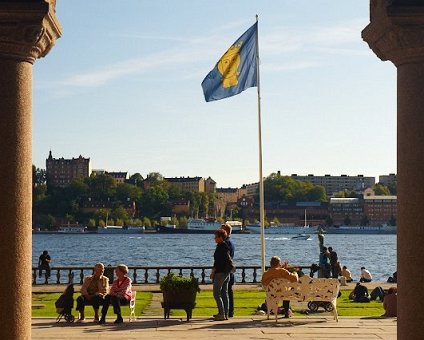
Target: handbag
pixel 229 266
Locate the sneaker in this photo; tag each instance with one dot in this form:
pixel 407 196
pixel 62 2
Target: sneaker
pixel 102 321
pixel 219 317
pixel 81 320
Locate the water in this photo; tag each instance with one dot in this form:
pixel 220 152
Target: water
pixel 376 252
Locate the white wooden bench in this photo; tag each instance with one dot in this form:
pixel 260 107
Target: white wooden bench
pixel 305 290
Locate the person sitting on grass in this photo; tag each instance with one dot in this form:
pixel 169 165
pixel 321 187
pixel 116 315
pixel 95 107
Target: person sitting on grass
pixel 390 303
pixel 120 294
pixel 365 275
pixel 93 291
pixel 359 294
pixel 279 271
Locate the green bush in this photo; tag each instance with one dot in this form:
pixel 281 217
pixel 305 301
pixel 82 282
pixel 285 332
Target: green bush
pixel 175 283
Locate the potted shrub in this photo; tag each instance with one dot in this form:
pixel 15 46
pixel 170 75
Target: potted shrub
pixel 179 290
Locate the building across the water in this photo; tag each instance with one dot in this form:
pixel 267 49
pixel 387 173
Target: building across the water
pixel 389 180
pixel 334 184
pixel 61 172
pixel 193 184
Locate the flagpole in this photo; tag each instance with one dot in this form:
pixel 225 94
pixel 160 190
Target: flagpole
pixel 261 180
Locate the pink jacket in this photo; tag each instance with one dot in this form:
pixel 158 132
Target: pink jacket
pixel 122 288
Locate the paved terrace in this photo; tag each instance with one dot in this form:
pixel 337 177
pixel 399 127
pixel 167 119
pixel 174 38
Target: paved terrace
pixel 236 328
pixel 152 326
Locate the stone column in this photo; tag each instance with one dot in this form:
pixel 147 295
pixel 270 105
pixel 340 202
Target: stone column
pixel 28 30
pixel 396 33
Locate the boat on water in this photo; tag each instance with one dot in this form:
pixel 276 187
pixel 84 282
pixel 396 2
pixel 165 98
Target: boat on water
pixel 199 226
pixel 116 229
pixel 72 229
pixel 360 229
pixel 282 229
pixel 301 237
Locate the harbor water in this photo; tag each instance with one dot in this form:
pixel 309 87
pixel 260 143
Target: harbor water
pixel 375 252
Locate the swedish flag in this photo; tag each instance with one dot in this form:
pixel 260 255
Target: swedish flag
pixel 236 70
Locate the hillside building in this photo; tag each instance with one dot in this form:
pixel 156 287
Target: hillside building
pixel 61 172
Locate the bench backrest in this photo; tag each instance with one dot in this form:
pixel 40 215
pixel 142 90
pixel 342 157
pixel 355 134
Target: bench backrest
pixel 306 289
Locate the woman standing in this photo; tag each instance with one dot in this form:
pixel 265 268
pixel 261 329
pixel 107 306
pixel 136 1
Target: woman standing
pixel 120 294
pixel 220 275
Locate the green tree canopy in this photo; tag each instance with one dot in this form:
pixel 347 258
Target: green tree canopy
pixel 285 189
pixel 381 190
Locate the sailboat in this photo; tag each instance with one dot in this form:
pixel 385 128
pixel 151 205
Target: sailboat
pixel 302 236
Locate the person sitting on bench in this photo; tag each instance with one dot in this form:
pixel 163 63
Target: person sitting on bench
pixel 93 291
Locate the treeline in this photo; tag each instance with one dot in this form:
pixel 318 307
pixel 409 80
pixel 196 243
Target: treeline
pixel 143 202
pixel 279 188
pixel 126 203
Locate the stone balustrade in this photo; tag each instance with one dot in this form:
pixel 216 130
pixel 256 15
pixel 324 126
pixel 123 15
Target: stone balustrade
pixel 148 274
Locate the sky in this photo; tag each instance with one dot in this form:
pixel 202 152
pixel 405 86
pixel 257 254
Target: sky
pixel 122 86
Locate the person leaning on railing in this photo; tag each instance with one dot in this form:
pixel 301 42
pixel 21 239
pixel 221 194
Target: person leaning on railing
pixel 279 271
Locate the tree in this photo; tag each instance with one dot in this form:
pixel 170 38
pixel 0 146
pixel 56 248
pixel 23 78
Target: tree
pixel 138 222
pixel 101 214
pixel 51 221
pixel 174 220
pixel 279 188
pixel 39 176
pixel 154 202
pixel 102 187
pixel 136 179
pixel 146 222
pixel 182 222
pixel 381 190
pixel 127 192
pixel 91 222
pixel 120 213
pixel 275 221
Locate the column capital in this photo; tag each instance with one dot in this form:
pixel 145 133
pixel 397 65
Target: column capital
pixel 396 32
pixel 28 29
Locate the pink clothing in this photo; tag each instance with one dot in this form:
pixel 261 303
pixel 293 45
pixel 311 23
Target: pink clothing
pixel 122 288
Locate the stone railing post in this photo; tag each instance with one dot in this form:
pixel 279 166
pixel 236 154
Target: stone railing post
pixel 396 33
pixel 28 31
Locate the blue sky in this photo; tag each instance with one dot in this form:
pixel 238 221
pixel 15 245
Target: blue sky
pixel 122 86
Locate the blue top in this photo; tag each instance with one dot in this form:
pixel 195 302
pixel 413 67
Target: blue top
pixel 231 246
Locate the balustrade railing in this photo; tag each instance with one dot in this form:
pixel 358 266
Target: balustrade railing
pixel 148 275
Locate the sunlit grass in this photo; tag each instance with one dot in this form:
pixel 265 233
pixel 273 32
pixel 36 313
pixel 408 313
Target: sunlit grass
pixel 43 305
pixel 245 301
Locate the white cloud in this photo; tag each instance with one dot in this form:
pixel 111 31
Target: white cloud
pixel 191 50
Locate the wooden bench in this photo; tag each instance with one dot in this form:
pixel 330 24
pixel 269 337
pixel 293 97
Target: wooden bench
pixel 305 290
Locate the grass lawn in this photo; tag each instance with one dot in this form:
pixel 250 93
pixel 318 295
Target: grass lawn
pixel 43 305
pixel 246 302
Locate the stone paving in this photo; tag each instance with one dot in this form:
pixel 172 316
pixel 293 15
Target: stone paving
pixel 236 328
